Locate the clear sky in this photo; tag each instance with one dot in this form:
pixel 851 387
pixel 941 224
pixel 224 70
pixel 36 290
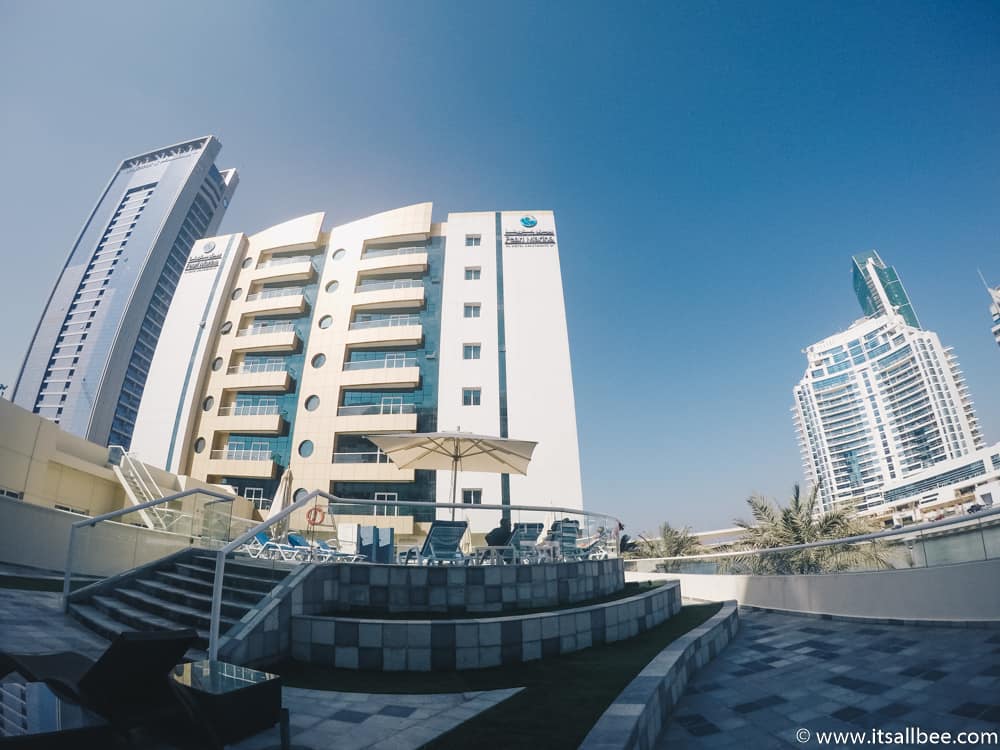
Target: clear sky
pixel 712 166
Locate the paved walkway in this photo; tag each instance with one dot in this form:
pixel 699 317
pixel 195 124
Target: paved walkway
pixel 32 621
pixel 783 673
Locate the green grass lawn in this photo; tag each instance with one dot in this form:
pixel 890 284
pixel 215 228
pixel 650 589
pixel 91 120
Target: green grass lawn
pixel 563 696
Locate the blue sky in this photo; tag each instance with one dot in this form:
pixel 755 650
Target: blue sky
pixel 713 167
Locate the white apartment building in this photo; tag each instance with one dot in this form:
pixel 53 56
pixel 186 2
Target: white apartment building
pixel 284 349
pixel 880 401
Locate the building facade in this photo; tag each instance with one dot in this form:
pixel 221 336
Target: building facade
pixel 305 341
pixel 89 357
pixel 994 293
pixel 880 401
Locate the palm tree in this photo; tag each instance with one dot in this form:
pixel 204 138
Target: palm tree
pixel 671 543
pixel 800 523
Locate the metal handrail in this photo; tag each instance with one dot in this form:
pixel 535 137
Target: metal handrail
pixel 377 286
pixel 387 252
pixel 399 320
pixel 261 329
pixel 254 367
pixel 380 364
pixel 220 560
pixel 285 261
pixel 368 409
pixel 241 454
pixel 287 291
pixel 832 542
pixel 115 514
pixel 360 457
pixel 249 410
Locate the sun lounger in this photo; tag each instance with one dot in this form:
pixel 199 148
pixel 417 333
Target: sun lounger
pixel 441 545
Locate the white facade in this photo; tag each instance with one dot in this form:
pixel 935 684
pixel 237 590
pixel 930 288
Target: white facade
pixel 995 311
pixel 313 339
pixel 878 403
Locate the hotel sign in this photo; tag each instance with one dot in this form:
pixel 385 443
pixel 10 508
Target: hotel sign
pixel 205 260
pixel 529 238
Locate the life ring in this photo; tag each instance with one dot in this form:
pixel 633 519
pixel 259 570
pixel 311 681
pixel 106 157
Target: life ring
pixel 315 516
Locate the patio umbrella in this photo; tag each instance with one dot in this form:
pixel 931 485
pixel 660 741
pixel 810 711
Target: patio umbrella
pixel 452 451
pixel 282 497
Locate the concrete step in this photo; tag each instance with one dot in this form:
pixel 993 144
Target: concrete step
pixel 202 601
pixel 251 583
pixel 188 616
pixel 108 627
pixel 247 566
pixel 202 586
pixel 137 619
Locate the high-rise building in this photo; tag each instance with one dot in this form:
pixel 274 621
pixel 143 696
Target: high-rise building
pixel 285 348
pixel 89 357
pixel 880 401
pixel 994 293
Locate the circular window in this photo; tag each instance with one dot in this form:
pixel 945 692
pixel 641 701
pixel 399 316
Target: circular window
pixel 319 360
pixel 217 364
pixel 299 494
pixel 237 293
pixel 332 286
pixel 339 254
pixel 325 322
pixel 247 262
pixel 208 403
pixel 312 403
pixel 199 445
pixel 226 328
pixel 306 448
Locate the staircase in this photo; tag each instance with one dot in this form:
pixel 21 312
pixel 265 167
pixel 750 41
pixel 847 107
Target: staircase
pixel 176 594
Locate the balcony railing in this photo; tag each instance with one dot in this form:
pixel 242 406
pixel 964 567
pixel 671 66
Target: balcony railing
pixel 249 368
pixel 367 409
pixel 248 410
pixel 262 328
pixel 377 286
pixel 242 454
pixel 386 252
pixel 395 320
pixel 287 291
pixel 376 457
pixel 285 261
pixel 381 364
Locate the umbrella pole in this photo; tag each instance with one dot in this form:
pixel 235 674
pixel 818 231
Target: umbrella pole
pixel 454 483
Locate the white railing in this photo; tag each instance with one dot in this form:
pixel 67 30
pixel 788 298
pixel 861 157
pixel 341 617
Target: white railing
pixel 263 328
pixel 378 286
pixel 361 457
pixel 365 409
pixel 386 252
pixel 242 454
pixel 395 320
pixel 381 364
pixel 249 368
pixel 285 261
pixel 249 410
pixel 287 291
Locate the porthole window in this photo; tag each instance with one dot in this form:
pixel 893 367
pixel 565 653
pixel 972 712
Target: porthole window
pixel 306 448
pixel 332 286
pixel 208 403
pixel 237 293
pixel 226 328
pixel 339 254
pixel 247 262
pixel 299 494
pixel 319 360
pixel 199 445
pixel 312 403
pixel 326 321
pixel 217 364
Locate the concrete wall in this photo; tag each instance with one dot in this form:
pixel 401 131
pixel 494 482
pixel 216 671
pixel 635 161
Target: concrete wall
pixel 963 591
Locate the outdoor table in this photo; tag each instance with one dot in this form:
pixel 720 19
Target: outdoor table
pixel 234 702
pixel 32 716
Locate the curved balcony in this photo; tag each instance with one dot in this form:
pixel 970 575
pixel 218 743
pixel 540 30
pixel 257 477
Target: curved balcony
pixel 397 259
pixel 393 373
pixel 257 420
pixel 396 330
pixel 376 418
pixel 291 268
pixel 368 467
pixel 258 376
pixel 281 301
pixel 375 295
pixel 262 337
pixel 241 462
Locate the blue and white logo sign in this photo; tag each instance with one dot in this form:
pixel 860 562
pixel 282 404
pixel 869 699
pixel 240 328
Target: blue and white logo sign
pixel 528 221
pixel 209 247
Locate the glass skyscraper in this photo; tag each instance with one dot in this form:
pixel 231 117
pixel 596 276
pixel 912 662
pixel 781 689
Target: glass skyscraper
pixel 879 289
pixel 89 357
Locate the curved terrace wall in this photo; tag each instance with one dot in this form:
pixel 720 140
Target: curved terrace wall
pixel 424 645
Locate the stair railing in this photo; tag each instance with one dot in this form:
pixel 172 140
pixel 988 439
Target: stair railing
pixel 94 521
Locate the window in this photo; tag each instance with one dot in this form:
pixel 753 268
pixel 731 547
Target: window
pixel 473 240
pixel 472 497
pixel 254 495
pixel 471 351
pixel 472 273
pixel 306 448
pixel 325 322
pixel 471 396
pixel 472 310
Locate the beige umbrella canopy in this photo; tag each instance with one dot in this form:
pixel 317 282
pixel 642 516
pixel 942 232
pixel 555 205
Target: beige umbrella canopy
pixel 282 498
pixel 454 451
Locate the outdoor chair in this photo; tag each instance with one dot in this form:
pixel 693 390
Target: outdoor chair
pixel 523 540
pixel 336 555
pixel 306 551
pixel 441 545
pixel 128 685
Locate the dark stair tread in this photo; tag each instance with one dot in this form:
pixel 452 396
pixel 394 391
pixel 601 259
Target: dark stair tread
pixel 263 584
pixel 201 582
pixel 155 622
pixel 271 568
pixel 133 595
pixel 166 588
pixel 94 619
